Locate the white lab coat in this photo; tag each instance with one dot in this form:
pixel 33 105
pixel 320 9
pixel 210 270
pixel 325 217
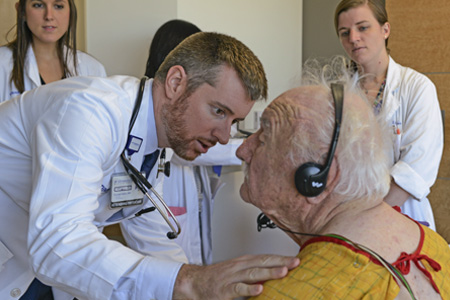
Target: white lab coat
pixel 86 65
pixel 181 195
pixel 59 146
pixel 411 106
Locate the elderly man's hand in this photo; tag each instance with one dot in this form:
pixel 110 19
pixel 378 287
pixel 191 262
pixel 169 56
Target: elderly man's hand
pixel 230 279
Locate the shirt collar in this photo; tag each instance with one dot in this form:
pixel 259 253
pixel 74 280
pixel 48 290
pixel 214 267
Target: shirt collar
pixel 152 138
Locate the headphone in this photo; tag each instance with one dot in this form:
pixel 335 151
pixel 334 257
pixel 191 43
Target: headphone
pixel 141 182
pixel 311 177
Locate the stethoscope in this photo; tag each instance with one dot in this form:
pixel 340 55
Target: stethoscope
pixel 142 182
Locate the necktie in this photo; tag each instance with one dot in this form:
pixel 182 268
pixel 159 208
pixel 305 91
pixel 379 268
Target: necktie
pixel 149 162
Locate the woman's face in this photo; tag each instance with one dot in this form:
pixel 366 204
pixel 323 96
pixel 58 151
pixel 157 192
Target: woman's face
pixel 48 20
pixel 362 37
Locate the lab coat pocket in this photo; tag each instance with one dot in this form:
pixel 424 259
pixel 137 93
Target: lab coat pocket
pixel 5 255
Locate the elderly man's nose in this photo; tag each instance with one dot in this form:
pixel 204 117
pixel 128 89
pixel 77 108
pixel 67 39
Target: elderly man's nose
pixel 245 151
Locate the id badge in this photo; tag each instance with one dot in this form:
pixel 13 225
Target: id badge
pixel 124 191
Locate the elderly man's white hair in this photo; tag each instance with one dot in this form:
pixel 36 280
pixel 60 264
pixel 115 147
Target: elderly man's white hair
pixel 363 142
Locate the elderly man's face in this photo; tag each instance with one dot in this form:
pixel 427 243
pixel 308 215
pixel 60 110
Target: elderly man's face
pixel 268 171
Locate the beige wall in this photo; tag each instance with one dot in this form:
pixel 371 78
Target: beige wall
pixel 420 40
pixel 7 19
pixel 119 34
pixel 81 25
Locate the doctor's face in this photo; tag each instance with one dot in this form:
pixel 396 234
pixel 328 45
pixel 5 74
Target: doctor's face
pixel 48 20
pixel 195 123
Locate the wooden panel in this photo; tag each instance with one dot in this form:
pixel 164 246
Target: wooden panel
pixel 443 88
pixel 420 34
pixel 441 207
pixel 419 39
pixel 7 20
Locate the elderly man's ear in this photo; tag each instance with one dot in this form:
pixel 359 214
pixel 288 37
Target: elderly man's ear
pixel 332 180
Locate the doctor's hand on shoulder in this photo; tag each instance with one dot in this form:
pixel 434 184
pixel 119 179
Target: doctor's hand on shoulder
pixel 239 277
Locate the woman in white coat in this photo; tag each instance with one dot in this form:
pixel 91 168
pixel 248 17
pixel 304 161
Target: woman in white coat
pixel 44 49
pixel 404 98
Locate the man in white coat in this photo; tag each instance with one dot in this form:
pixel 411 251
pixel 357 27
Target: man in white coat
pixel 60 148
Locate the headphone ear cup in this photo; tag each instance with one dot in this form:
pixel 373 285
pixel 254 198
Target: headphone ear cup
pixel 310 180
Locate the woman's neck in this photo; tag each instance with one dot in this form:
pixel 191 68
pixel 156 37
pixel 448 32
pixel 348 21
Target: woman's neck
pixel 377 68
pixel 48 62
pixel 45 51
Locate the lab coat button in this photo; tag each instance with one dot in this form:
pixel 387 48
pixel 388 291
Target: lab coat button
pixel 15 293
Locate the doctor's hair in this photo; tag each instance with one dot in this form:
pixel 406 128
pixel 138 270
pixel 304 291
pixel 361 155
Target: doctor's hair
pixel 378 8
pixel 166 38
pixel 203 54
pixel 19 46
pixel 363 140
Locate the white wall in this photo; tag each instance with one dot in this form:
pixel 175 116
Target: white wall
pixel 273 30
pixel 119 34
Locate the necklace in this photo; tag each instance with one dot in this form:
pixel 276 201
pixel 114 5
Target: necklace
pixel 379 98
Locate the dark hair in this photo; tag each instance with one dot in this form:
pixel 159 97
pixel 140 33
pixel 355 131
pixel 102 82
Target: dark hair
pixel 166 38
pixel 19 46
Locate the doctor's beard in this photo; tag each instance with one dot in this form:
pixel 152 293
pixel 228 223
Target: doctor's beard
pixel 174 121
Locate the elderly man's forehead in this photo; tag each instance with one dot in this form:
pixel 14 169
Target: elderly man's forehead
pixel 294 101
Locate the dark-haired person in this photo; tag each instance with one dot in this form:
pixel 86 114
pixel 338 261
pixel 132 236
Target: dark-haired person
pixel 44 49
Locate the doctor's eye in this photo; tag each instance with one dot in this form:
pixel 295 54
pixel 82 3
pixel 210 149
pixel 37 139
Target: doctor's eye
pixel 219 112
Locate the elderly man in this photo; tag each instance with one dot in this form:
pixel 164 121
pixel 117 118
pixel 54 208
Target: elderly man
pixel 330 200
